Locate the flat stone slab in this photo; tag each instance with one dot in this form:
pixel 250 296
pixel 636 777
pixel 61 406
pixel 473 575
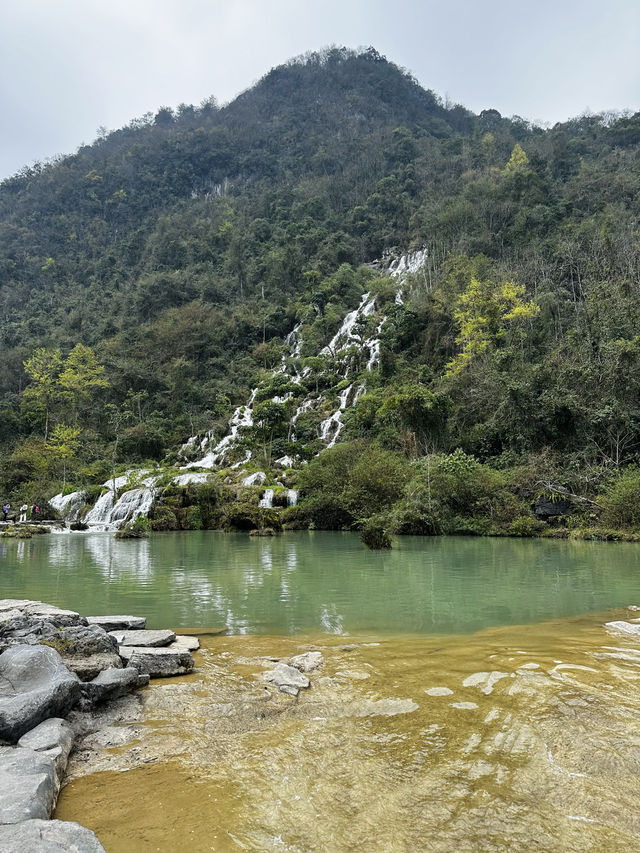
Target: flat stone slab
pixel 28 785
pixel 158 662
pixel 623 627
pixel 119 623
pixel 191 644
pixel 34 685
pixel 147 638
pixel 48 836
pixel 286 678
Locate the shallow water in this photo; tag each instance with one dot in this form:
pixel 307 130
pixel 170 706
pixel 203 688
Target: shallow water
pixel 510 739
pixel 470 698
pixel 326 582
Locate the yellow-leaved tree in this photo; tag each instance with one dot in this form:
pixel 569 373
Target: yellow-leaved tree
pixel 484 314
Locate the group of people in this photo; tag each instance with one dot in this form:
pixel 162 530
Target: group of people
pixel 24 509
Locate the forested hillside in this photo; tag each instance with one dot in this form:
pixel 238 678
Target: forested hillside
pixel 148 282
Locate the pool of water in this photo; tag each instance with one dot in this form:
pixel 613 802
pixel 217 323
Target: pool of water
pixel 326 582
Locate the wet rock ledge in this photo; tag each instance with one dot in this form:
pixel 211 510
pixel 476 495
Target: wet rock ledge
pixel 57 670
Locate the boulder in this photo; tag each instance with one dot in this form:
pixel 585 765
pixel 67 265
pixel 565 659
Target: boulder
pixel 55 615
pixel 157 663
pixel 146 638
pixel 85 640
pixel 28 785
pixel 286 678
pixel 48 836
pixel 308 661
pixel 53 738
pixel 109 684
pixel 88 668
pixel 191 644
pixel 118 623
pixel 34 685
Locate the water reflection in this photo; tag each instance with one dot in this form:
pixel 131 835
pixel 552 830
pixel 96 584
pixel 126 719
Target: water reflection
pixel 321 581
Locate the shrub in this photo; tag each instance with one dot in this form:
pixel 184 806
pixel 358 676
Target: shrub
pixel 620 500
pixel 163 518
pixel 375 533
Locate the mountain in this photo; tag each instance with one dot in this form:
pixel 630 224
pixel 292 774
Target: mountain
pixel 180 252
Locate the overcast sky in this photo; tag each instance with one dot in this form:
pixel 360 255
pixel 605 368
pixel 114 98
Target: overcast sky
pixel 68 67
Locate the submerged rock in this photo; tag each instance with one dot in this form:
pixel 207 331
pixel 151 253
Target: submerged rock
pixel 191 644
pixel 118 623
pixel 143 638
pixel 34 685
pixel 286 678
pixel 623 627
pixel 307 662
pixel 48 836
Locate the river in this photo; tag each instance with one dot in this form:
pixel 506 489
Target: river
pixel 470 697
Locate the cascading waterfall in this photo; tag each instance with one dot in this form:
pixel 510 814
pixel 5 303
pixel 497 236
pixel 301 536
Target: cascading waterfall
pixel 266 501
pixel 331 427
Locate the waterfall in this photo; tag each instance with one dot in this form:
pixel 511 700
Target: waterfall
pixel 330 428
pixel 256 479
pixel 68 506
pixel 100 512
pixel 242 417
pixel 266 501
pixel 367 306
pixel 292 497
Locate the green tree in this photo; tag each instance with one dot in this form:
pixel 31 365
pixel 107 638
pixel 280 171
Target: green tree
pixel 62 445
pixel 43 369
pixel 81 376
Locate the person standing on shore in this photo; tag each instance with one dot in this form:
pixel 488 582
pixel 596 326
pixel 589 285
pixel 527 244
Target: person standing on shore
pixel 5 510
pixel 23 512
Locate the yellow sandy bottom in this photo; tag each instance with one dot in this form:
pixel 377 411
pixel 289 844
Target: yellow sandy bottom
pixel 511 739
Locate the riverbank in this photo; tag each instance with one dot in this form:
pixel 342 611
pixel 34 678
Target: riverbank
pixel 60 677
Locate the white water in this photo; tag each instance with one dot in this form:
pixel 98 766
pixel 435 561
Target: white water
pixel 331 427
pixel 266 501
pixel 292 497
pixel 68 506
pixel 256 479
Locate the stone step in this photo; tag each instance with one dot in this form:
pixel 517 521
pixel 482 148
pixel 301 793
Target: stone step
pixel 146 638
pixel 118 623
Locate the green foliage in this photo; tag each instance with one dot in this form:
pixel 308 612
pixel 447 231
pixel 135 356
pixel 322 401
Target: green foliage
pixel 140 529
pixel 620 500
pixel 375 534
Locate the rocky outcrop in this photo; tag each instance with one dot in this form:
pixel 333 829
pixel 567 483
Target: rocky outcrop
pixel 34 685
pixel 48 836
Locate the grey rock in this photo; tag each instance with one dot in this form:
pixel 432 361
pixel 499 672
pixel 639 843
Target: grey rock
pixel 25 630
pixel 55 615
pixel 109 684
pixel 88 668
pixel 286 677
pixel 118 623
pixel 151 639
pixel 308 661
pixel 143 679
pixel 48 836
pixel 191 644
pixel 34 685
pixel 158 663
pixel 85 640
pixel 54 739
pixel 28 786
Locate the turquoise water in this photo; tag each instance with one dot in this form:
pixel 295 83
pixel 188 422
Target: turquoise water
pixel 327 582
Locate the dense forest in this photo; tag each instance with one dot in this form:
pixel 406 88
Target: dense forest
pixel 148 283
